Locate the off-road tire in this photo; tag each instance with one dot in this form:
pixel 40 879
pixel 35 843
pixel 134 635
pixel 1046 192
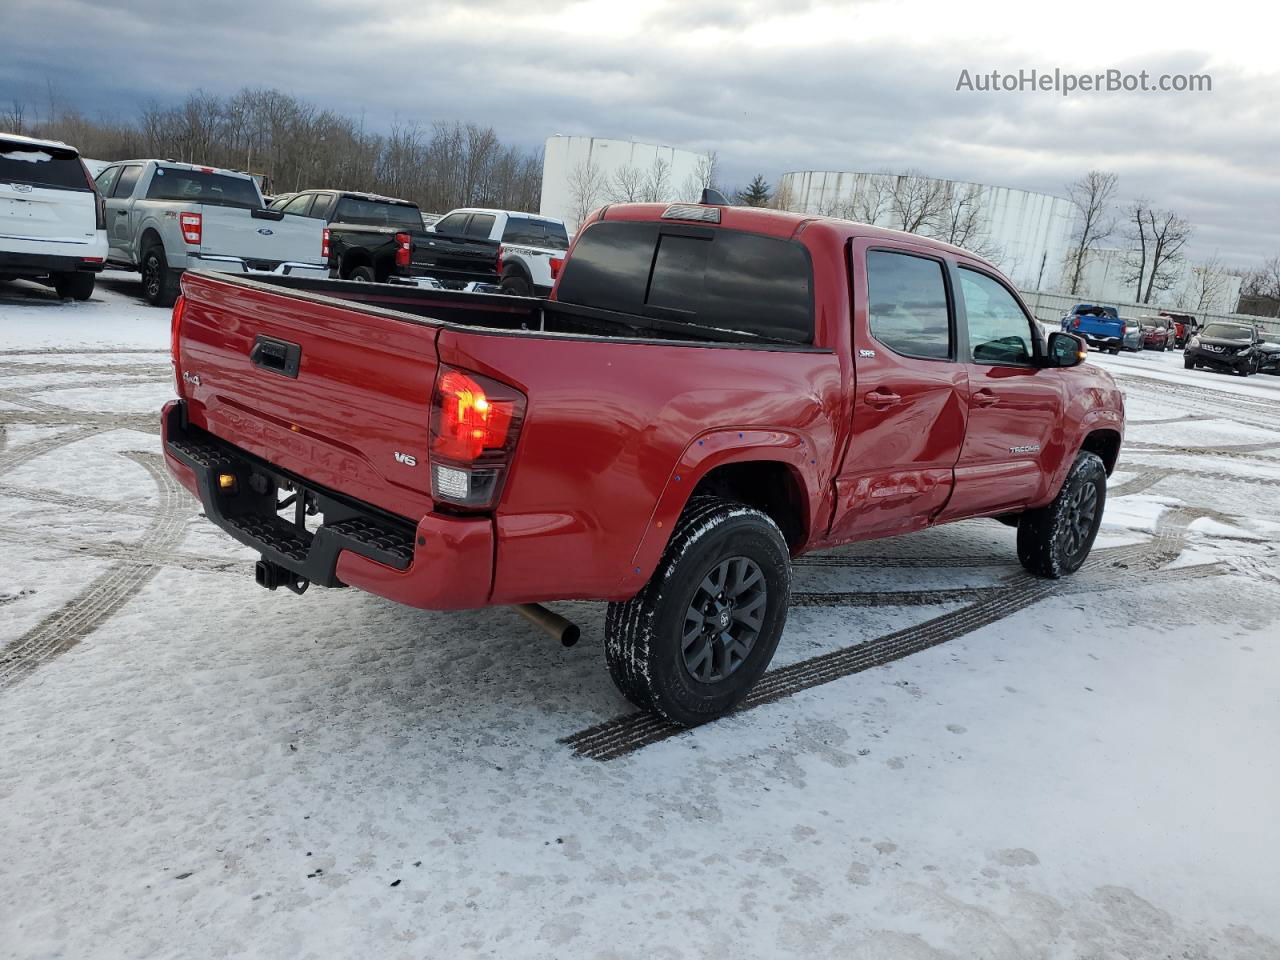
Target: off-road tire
pixel 76 285
pixel 159 283
pixel 643 636
pixel 1046 544
pixel 515 285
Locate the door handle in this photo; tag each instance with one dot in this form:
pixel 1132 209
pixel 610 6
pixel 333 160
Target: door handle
pixel 882 398
pixel 985 398
pixel 121 213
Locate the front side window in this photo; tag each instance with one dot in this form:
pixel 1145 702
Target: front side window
pixel 299 205
pixel 106 180
pixel 452 224
pixel 999 331
pixel 907 304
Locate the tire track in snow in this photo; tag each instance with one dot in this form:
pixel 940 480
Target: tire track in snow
pixel 107 593
pixel 623 735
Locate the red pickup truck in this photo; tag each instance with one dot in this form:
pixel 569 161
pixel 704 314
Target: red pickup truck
pixel 709 392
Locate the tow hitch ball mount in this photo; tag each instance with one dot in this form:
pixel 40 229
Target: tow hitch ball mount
pixel 272 575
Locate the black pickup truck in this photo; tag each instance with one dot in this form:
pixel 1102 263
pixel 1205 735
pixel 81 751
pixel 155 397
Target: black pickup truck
pixel 381 239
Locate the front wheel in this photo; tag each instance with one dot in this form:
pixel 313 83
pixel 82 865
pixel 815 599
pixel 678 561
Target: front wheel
pixel 1188 363
pixel 74 286
pixel 694 641
pixel 1054 541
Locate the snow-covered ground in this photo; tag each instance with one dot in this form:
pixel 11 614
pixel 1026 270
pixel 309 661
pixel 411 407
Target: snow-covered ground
pixel 191 766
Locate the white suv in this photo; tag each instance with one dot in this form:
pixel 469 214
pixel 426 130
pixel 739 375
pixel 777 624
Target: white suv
pixel 52 221
pixel 533 247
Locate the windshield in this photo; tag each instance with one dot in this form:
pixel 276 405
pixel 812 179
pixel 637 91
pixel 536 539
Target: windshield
pixel 196 186
pixel 1228 331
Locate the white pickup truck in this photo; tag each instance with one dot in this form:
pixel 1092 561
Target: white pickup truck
pixel 533 247
pixel 165 217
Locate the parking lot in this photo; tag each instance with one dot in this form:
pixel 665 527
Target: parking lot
pixel 948 758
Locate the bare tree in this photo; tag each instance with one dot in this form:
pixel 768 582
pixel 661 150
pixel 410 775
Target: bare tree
pixel 627 184
pixel 701 178
pixel 12 117
pixel 586 187
pixel 1157 238
pixel 1260 290
pixel 961 220
pixel 1207 286
pixel 1091 195
pixel 916 202
pixel 657 182
pixel 872 199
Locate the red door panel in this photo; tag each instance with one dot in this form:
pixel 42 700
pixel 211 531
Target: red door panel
pixel 908 416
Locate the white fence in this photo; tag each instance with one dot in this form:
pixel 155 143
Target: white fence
pixel 1052 307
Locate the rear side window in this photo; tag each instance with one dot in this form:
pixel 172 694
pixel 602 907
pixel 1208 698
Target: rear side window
pixel 712 278
pixel 196 186
pixel 481 225
pixel 46 167
pixel 536 233
pixel 128 180
pixel 907 304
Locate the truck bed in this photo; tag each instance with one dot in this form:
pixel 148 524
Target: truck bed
pixel 614 403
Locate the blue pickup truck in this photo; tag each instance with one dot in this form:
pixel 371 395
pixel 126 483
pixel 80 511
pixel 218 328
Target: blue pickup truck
pixel 1101 327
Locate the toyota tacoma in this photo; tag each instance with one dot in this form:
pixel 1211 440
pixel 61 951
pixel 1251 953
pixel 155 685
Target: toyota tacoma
pixel 709 392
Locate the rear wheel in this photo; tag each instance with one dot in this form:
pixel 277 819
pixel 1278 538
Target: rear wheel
pixel 1054 541
pixel 514 284
pixel 1188 363
pixel 159 283
pixel 75 286
pixel 362 274
pixel 693 642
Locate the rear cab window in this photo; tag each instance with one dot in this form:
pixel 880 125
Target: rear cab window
pixel 718 279
pixel 377 213
pixel 47 167
pixel 198 186
pixel 481 226
pixel 533 232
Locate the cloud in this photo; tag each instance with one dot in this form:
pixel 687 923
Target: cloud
pixel 772 86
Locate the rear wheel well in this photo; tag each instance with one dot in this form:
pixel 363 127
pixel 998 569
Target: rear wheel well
pixel 149 238
pixel 769 486
pixel 353 259
pixel 1106 444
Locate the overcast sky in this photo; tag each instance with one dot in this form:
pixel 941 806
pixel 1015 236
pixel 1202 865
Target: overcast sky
pixel 772 85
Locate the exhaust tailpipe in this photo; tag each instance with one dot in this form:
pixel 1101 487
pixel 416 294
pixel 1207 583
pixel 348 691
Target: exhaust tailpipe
pixel 553 624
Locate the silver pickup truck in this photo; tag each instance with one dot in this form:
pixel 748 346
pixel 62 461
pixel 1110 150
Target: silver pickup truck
pixel 165 217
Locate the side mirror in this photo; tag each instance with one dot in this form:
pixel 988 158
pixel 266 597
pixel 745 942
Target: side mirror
pixel 1064 350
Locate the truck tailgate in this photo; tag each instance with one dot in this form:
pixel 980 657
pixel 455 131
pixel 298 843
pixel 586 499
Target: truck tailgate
pixel 235 232
pixel 353 417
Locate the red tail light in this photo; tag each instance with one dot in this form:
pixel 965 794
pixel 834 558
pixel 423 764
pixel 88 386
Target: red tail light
pixel 404 246
pixel 324 244
pixel 1075 324
pixel 179 308
pixel 474 425
pixel 99 205
pixel 192 227
pixel 556 264
pixel 501 251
